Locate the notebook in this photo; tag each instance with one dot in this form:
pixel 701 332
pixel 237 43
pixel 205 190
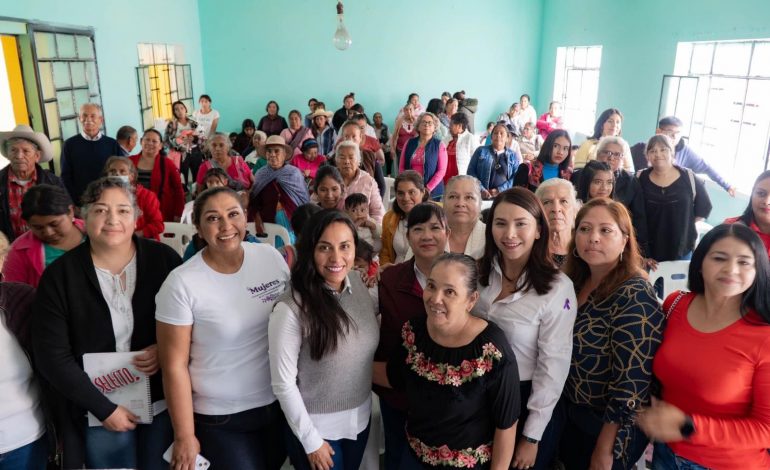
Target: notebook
pixel 115 376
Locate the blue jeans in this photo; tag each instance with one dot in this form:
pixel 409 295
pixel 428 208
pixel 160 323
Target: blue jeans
pixel 141 448
pixel 663 458
pixel 32 456
pixel 348 453
pixel 394 422
pixel 249 440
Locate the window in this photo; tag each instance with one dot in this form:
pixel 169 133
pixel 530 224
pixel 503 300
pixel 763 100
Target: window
pixel 66 67
pixel 163 78
pixel 721 91
pixel 576 85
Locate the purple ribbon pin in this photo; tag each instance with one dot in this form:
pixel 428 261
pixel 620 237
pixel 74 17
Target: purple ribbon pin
pixel 566 304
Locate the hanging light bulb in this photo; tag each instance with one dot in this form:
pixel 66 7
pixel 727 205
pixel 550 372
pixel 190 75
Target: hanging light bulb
pixel 341 37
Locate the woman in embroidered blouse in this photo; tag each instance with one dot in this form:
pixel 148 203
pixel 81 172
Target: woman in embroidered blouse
pixel 322 334
pixel 553 161
pixel 53 231
pixel 560 204
pixel 400 297
pixel 279 188
pixel 100 297
pixel 219 147
pixel 181 136
pixel 714 362
pixel 495 165
pixel 618 328
pixel 410 191
pixel 757 213
pixel 426 155
pixel 296 133
pixel 534 304
pixel 459 375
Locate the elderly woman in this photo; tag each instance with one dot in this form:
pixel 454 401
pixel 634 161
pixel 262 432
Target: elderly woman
pixel 323 132
pixel 410 191
pixel 404 129
pixel 100 297
pixel 150 222
pixel 25 149
pixel 323 328
pixel 400 298
pixel 674 200
pixel 309 160
pixel 427 155
pixel 235 167
pixel 712 363
pixel 495 165
pixel 53 231
pixel 534 304
pixel 551 120
pixel 278 188
pixel 256 157
pixel 462 204
pixel 459 414
pixel 609 124
pixel 369 161
pixel 180 136
pixel 22 424
pixel 348 161
pixel 460 146
pixel 618 329
pixel 213 343
pixel 529 142
pixel 757 213
pixel 560 203
pixel 296 133
pixel 553 161
pixel 272 123
pixel 159 174
pixel 511 117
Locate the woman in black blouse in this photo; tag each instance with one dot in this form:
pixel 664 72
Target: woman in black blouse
pixel 459 374
pixel 617 331
pixel 674 200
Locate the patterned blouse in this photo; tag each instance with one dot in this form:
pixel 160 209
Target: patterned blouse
pixel 615 341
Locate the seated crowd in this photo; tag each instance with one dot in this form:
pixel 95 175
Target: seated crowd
pixel 526 335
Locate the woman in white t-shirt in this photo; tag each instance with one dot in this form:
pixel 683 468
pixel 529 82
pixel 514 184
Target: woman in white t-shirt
pixel 207 118
pixel 212 316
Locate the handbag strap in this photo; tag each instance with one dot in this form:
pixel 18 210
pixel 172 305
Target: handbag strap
pixel 674 303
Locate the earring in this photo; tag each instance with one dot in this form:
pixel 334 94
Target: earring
pixel 621 256
pixel 575 253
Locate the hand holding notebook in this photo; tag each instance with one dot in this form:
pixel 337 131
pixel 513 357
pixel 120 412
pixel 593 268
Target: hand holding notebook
pixel 117 377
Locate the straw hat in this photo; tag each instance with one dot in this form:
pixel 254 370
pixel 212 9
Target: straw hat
pixel 320 112
pixel 277 140
pixel 26 132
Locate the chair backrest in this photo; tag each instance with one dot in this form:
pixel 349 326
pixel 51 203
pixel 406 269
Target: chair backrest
pixel 702 228
pixel 177 236
pixel 389 192
pixel 187 213
pixel 272 232
pixel 673 275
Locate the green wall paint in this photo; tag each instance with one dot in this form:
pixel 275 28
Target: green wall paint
pixel 119 27
pixel 261 50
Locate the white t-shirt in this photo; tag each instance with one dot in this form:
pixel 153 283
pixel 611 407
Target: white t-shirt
pixel 21 419
pixel 229 367
pixel 205 121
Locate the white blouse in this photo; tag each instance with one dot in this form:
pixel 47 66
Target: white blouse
pixel 118 296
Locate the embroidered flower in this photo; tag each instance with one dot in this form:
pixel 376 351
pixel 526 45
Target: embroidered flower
pixel 443 455
pixel 447 374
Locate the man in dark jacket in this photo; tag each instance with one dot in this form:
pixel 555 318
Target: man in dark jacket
pixel 25 149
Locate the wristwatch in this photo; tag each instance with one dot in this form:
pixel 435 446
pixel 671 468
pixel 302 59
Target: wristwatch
pixel 530 440
pixel 688 428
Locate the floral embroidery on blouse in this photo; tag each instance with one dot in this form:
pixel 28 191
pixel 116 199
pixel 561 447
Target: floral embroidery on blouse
pixel 463 458
pixel 447 374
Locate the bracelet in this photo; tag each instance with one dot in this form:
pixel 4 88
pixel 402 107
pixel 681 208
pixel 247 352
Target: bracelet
pixel 530 440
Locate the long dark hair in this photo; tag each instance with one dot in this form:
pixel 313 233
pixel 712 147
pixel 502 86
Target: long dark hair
pixel 539 273
pixel 748 215
pixel 757 296
pixel 547 149
pixel 599 125
pixel 46 199
pixel 587 176
pixel 322 316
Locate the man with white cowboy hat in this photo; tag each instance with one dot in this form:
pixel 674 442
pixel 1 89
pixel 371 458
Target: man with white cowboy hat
pixel 322 129
pixel 25 149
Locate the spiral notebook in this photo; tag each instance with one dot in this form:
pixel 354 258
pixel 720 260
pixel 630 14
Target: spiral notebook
pixel 115 376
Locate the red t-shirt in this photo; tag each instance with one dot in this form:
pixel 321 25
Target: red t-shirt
pixel 451 162
pixel 722 380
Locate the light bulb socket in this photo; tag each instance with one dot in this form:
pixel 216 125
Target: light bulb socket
pixel 340 8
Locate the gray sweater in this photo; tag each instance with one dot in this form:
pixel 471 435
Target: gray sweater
pixel 341 380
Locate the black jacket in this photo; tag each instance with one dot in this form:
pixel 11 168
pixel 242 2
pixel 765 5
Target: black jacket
pixel 43 177
pixel 70 317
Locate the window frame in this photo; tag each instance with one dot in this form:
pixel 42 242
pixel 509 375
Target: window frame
pixel 561 84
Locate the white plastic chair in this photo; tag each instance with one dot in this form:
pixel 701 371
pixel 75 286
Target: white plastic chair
pixel 177 236
pixel 673 274
pixel 389 190
pixel 702 228
pixel 187 213
pixel 272 232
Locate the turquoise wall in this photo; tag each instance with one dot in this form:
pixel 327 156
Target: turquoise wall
pixel 119 26
pixel 638 40
pixel 261 50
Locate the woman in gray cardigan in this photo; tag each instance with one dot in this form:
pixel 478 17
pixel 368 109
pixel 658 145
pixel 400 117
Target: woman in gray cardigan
pixel 322 335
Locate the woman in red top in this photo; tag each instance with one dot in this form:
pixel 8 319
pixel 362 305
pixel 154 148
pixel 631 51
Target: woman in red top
pixel 714 361
pixel 158 173
pixel 757 214
pixel 551 120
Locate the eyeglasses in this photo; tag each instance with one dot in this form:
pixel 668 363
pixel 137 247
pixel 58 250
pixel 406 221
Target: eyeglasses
pixel 611 155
